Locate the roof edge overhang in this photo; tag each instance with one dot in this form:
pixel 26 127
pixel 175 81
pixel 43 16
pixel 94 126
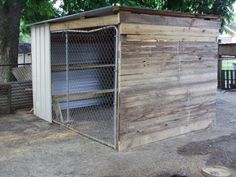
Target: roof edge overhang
pixel 109 10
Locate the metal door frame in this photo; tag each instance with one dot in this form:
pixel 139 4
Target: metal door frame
pixel 116 70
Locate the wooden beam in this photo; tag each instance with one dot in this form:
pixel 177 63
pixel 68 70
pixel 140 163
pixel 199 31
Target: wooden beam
pixel 143 138
pixel 82 96
pixel 128 17
pixel 86 23
pixel 167 13
pixel 157 37
pixel 60 68
pixel 129 28
pixel 57 110
pixel 227 49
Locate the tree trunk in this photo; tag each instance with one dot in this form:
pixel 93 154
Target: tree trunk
pixel 10 14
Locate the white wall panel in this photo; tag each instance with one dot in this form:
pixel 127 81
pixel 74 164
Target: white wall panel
pixel 41 71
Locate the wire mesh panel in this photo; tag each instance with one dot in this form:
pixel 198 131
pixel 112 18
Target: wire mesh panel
pixel 84 81
pixel 59 72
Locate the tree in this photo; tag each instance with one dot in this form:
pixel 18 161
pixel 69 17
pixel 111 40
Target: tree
pixel 75 6
pixel 11 13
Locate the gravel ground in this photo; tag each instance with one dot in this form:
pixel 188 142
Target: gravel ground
pixel 30 147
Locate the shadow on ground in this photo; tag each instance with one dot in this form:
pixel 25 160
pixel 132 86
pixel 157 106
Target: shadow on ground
pixel 222 150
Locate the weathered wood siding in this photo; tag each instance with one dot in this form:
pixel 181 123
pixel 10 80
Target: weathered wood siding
pixel 15 95
pixel 5 98
pixel 168 76
pixel 21 96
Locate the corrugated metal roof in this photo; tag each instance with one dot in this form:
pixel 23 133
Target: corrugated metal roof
pixel 109 10
pixel 91 13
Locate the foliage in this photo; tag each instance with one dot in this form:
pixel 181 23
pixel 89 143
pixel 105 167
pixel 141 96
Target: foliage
pixel 74 6
pixel 36 10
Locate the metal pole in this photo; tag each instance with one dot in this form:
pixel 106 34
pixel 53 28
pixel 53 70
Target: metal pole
pixel 24 51
pixel 116 84
pixel 67 79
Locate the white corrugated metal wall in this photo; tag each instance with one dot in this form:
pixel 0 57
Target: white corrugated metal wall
pixel 41 71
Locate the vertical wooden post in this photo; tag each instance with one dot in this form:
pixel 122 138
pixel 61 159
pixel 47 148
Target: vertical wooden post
pixel 234 77
pixel 219 65
pixel 227 78
pixel 219 78
pixel 222 79
pixel 9 97
pixel 231 79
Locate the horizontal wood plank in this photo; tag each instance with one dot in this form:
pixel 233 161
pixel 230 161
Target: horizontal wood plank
pixel 129 28
pixel 139 139
pixel 82 95
pixel 156 37
pixel 169 120
pixel 166 20
pixel 85 23
pixel 227 49
pixel 72 67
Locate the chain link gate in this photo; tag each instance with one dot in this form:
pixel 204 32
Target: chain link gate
pixel 84 81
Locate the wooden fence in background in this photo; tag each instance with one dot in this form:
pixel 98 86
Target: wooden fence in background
pixel 5 98
pixel 15 95
pixel 226 78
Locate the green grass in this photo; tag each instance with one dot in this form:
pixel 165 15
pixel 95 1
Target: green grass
pixel 228 64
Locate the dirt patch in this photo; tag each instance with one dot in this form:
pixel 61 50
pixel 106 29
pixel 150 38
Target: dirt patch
pixel 20 130
pixel 221 151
